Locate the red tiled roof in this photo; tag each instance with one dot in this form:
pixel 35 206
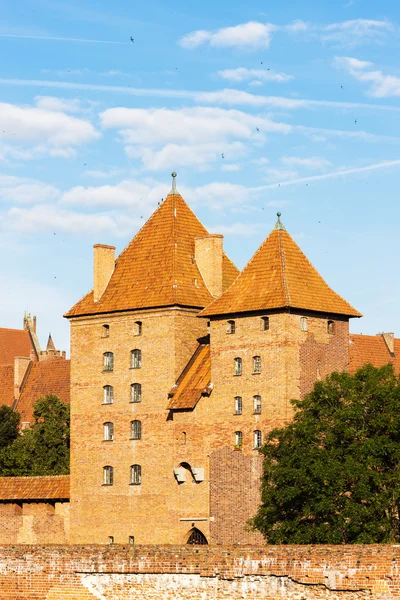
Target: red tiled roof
pixel 279 275
pixel 7 385
pixel 372 349
pixel 34 488
pixel 14 342
pixel 157 267
pixel 193 382
pixel 48 377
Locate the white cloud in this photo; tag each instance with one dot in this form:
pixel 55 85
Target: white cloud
pixel 243 74
pixel 103 173
pixel 54 104
pixel 26 191
pixel 313 162
pixel 230 167
pixel 382 86
pixel 280 174
pixel 246 35
pixel 126 194
pixel 355 31
pixel 217 195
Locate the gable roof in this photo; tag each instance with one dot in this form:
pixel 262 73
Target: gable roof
pixel 7 385
pixel 47 377
pixel 14 342
pixel 279 275
pixel 157 267
pixel 51 487
pixel 193 382
pixel 372 349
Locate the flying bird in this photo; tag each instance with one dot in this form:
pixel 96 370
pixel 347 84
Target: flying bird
pixel 132 40
pixel 257 129
pixel 222 155
pixel 355 121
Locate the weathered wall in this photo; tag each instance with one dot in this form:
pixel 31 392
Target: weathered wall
pixel 179 572
pixel 34 523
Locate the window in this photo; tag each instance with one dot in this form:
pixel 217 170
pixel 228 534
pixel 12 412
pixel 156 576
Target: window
pixel 108 429
pixel 331 327
pixel 131 539
pixel 257 439
pixel 238 405
pixel 108 361
pixel 256 364
pixel 197 538
pixel 136 430
pixel 110 539
pixel 108 394
pixel 108 475
pixel 238 366
pixel 137 328
pixel 136 475
pixel 183 437
pixel 303 324
pixel 230 327
pixel 238 439
pixel 264 323
pixel 257 405
pixel 136 392
pixel 136 359
pixel 106 330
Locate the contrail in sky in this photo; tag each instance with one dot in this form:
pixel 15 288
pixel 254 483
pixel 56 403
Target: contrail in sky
pixel 60 39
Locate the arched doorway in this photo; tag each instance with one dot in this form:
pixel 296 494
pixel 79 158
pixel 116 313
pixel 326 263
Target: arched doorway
pixel 197 538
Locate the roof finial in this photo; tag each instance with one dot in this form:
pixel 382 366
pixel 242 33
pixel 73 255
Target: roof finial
pixel 278 224
pixel 174 175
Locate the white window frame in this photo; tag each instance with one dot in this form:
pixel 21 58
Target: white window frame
pixel 136 392
pixel 136 474
pixel 108 397
pixel 257 404
pixel 108 475
pixel 108 431
pixel 256 364
pixel 238 365
pixel 136 430
pixel 238 439
pixel 257 439
pixel 303 324
pixel 108 361
pixel 230 327
pixel 238 405
pixel 136 358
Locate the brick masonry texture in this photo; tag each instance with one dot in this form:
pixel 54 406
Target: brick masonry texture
pixel 225 572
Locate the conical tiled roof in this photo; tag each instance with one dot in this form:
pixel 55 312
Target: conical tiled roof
pixel 50 343
pixel 158 268
pixel 279 275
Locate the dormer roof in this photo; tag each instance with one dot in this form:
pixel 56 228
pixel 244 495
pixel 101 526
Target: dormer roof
pixel 158 267
pixel 279 276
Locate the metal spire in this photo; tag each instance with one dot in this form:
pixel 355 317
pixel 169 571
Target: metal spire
pixel 174 175
pixel 278 224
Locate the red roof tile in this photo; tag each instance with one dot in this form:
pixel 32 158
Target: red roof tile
pixel 279 275
pixel 372 349
pixel 14 342
pixel 54 487
pixel 47 377
pixel 193 382
pixel 7 385
pixel 157 267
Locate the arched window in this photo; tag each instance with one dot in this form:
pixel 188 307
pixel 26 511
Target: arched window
pixel 257 439
pixel 136 430
pixel 257 405
pixel 238 405
pixel 108 397
pixel 331 327
pixel 256 364
pixel 238 439
pixel 108 361
pixel 136 392
pixel 108 429
pixel 238 366
pixel 106 330
pixel 136 359
pixel 137 328
pixel 136 475
pixel 108 475
pixel 197 538
pixel 264 323
pixel 303 324
pixel 230 327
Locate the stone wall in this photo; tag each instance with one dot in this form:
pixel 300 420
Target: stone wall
pixel 181 572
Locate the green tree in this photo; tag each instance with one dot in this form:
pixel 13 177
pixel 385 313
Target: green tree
pixel 9 422
pixel 44 448
pixel 333 475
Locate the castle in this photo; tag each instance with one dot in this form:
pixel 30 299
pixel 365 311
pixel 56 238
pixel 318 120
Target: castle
pixel 180 364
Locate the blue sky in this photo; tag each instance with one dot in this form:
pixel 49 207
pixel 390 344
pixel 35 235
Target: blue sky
pixel 259 108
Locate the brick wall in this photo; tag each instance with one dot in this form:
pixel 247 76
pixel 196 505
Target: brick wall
pixel 34 523
pixel 179 572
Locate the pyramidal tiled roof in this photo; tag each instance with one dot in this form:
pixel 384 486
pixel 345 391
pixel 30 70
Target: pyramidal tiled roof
pixel 279 275
pixel 157 268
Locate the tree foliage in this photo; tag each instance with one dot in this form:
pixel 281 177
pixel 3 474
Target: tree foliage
pixel 9 422
pixel 333 475
pixel 44 448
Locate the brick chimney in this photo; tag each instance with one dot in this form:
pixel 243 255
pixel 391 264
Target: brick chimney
pixel 104 263
pixel 389 341
pixel 208 255
pixel 21 365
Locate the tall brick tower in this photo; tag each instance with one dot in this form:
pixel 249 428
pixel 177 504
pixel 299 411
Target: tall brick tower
pixel 131 337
